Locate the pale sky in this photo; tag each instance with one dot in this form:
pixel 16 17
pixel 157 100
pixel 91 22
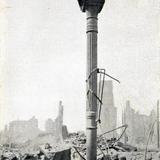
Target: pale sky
pixel 43 57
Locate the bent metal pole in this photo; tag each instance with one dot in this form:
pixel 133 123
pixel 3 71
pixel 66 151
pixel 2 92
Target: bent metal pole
pixel 92 8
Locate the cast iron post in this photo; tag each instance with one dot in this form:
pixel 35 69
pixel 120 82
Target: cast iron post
pixel 92 8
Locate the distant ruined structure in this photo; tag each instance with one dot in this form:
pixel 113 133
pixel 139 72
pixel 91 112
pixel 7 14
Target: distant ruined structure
pixel 49 126
pixel 139 125
pixel 109 111
pixel 57 126
pixel 21 131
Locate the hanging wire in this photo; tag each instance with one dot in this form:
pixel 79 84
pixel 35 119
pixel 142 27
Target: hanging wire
pixel 79 153
pixel 123 126
pixel 102 74
pixel 90 91
pixel 102 71
pixel 106 145
pixel 109 76
pixel 101 88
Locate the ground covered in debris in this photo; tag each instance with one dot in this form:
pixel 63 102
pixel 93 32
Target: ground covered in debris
pixel 74 148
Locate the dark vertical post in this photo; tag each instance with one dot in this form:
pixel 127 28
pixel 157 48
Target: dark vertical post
pixel 92 8
pixel 91 108
pixel 158 124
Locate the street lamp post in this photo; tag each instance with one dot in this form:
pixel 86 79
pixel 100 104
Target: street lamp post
pixel 92 8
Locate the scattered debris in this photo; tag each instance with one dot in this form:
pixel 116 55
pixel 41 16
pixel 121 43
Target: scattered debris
pixel 74 148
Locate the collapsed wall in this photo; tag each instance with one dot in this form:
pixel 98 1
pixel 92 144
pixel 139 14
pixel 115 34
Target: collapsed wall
pixel 139 125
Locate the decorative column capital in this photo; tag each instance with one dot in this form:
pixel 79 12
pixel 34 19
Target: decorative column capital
pixel 85 4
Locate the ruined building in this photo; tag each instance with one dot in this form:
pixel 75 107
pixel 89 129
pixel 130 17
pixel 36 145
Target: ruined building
pixel 57 126
pixel 139 125
pixel 20 131
pixel 109 111
pixel 129 118
pixel 49 126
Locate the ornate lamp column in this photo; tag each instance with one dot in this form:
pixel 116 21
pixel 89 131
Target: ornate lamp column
pixel 92 8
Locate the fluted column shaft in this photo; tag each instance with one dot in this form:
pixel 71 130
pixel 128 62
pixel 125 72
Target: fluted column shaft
pixel 91 109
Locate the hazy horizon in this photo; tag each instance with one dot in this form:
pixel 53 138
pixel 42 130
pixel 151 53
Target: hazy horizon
pixel 43 57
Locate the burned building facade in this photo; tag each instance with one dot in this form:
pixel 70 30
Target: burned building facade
pixel 21 131
pixel 109 111
pixel 139 125
pixel 56 127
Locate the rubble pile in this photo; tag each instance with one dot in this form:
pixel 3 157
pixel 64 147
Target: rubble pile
pixel 74 148
pixel 45 152
pixel 105 147
pixel 77 140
